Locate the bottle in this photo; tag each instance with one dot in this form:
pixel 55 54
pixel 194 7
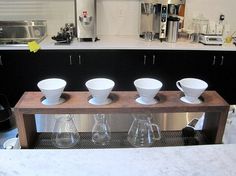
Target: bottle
pixel 101 133
pixel 65 134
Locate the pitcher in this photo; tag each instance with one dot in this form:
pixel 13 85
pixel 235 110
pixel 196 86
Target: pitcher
pixel 141 132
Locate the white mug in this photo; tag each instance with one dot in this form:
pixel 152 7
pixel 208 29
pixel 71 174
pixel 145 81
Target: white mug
pixel 192 88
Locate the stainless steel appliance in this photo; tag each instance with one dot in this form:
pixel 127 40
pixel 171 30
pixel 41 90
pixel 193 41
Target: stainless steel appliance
pixel 22 32
pixel 85 14
pixel 154 16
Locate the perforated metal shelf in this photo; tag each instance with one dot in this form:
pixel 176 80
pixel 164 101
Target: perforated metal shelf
pixel 119 140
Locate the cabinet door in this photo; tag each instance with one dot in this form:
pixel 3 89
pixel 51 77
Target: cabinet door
pixel 132 64
pixel 16 70
pixel 56 64
pixel 93 64
pixel 171 66
pixel 226 75
pixel 122 66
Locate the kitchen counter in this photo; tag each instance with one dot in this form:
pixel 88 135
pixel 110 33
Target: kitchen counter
pixel 202 160
pixel 124 42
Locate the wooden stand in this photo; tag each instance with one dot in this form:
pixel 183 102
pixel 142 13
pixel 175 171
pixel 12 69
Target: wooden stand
pixel 214 106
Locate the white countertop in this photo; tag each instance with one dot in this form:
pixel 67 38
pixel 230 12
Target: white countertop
pixel 217 160
pixel 124 42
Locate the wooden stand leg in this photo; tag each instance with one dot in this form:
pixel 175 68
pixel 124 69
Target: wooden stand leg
pixel 221 127
pixel 214 126
pixel 26 128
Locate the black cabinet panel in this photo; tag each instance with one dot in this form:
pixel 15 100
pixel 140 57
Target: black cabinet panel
pixel 21 70
pixel 16 70
pixel 226 76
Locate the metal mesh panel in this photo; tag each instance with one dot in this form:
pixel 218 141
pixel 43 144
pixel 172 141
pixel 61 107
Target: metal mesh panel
pixel 119 140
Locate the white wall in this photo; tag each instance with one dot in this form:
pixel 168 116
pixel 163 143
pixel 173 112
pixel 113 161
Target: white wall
pixel 56 12
pixel 118 17
pixel 115 17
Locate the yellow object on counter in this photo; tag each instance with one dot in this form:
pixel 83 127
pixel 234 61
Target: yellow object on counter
pixel 33 46
pixel 228 39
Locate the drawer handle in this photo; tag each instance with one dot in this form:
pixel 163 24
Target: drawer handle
pixel 1 63
pixel 222 60
pixel 79 60
pixel 214 60
pixel 144 59
pixel 71 60
pixel 153 59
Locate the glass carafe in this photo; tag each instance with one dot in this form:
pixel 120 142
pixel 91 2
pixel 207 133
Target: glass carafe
pixel 141 133
pixel 65 134
pixel 101 133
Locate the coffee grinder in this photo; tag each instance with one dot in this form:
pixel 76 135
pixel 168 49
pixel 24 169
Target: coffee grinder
pixel 85 20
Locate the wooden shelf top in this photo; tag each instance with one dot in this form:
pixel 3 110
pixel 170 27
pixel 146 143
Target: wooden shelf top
pixel 123 102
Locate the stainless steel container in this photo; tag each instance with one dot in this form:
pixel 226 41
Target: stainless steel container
pixel 22 32
pixel 173 27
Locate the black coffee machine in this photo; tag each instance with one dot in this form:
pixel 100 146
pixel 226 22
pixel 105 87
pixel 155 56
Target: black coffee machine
pixel 5 114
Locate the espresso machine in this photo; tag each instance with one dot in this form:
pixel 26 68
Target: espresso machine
pixel 85 20
pixel 154 15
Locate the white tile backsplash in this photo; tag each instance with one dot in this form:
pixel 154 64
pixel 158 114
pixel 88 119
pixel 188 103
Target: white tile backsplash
pixel 118 17
pixel 114 17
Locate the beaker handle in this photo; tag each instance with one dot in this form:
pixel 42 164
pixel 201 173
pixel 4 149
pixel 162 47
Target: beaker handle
pixel 158 131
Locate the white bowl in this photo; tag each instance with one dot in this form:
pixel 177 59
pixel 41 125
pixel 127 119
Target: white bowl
pixel 100 88
pixel 52 89
pixel 147 89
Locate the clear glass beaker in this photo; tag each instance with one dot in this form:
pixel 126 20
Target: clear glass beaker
pixel 141 133
pixel 101 133
pixel 196 30
pixel 65 134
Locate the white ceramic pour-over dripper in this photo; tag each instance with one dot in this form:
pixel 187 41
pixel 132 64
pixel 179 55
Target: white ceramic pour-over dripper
pixel 52 89
pixel 147 89
pixel 100 88
pixel 192 89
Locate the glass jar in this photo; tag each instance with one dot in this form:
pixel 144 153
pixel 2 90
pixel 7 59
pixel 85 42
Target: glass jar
pixel 65 134
pixel 101 133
